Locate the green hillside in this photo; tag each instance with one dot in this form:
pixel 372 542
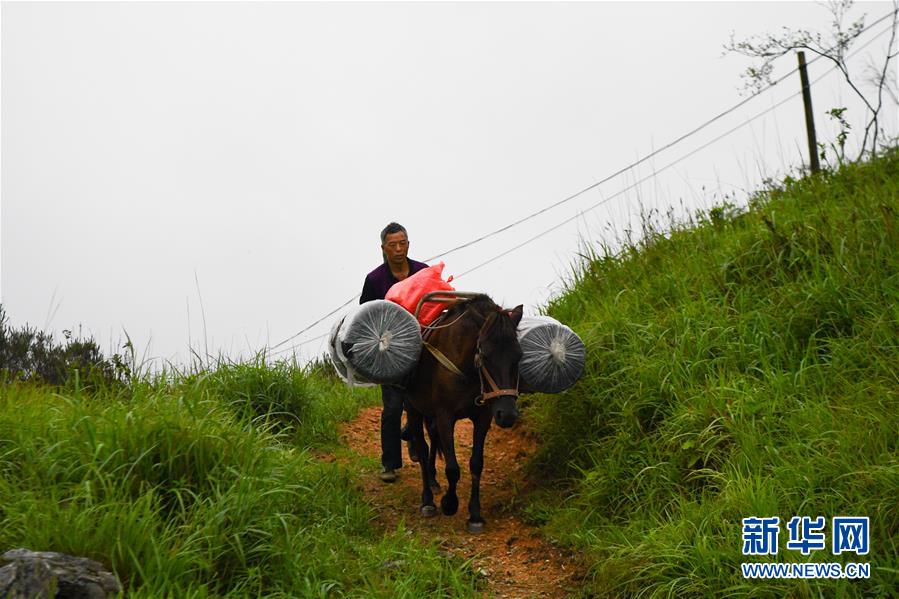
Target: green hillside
pixel 739 365
pixel 206 484
pixel 743 365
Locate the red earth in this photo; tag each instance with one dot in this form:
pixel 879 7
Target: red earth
pixel 513 558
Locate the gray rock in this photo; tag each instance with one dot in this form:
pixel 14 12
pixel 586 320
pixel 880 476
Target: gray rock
pixel 46 574
pixel 27 580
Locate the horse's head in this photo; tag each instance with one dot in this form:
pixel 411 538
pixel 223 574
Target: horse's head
pixel 497 360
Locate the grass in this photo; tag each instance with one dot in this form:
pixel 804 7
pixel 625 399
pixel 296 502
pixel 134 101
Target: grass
pixel 744 364
pixel 206 484
pixel 741 364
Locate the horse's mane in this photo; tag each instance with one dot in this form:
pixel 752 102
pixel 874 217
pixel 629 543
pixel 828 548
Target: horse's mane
pixel 483 305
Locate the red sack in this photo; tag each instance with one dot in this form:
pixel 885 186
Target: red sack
pixel 410 290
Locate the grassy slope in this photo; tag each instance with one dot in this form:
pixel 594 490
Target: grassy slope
pixel 204 487
pixel 738 367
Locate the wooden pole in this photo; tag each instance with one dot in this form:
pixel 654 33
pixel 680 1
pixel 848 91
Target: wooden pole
pixel 809 115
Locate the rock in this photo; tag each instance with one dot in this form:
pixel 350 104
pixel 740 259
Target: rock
pixel 45 574
pixel 27 580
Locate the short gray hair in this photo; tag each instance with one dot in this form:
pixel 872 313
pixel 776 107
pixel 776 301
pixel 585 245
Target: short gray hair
pixel 391 229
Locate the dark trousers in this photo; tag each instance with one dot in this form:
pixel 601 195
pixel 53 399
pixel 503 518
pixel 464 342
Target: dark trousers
pixel 391 434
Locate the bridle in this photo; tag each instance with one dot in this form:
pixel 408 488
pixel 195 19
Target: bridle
pixel 483 373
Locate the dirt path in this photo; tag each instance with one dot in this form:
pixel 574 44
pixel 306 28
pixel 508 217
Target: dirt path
pixel 515 560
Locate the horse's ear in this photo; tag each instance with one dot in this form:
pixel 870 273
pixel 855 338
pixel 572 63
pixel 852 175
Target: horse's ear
pixel 516 313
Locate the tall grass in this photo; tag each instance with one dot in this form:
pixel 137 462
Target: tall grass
pixel 204 484
pixel 744 365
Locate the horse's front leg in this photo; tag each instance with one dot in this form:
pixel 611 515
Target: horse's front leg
pixel 476 464
pixel 445 423
pixel 428 509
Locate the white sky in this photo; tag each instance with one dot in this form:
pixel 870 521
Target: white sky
pixel 261 147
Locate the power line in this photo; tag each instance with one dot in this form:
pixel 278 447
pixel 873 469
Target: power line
pixel 296 345
pixel 634 164
pixel 568 220
pixel 667 166
pixel 331 313
pixel 641 160
pixel 628 188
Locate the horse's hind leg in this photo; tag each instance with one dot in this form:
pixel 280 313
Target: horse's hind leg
pixel 432 456
pixel 428 509
pixel 481 426
pixel 449 503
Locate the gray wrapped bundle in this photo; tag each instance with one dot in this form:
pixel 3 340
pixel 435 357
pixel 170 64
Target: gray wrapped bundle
pixel 339 361
pixel 379 342
pixel 552 355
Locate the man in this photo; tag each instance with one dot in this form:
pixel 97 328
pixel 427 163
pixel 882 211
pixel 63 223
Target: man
pixel 396 267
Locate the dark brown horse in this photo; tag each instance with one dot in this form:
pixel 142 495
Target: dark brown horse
pixel 468 369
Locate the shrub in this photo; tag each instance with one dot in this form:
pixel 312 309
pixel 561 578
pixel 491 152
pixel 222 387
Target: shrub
pixel 28 354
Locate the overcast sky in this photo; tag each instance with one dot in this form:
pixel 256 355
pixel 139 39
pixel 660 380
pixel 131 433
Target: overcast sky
pixel 250 153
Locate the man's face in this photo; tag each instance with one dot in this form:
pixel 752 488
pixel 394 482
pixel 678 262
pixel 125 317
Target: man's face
pixel 395 247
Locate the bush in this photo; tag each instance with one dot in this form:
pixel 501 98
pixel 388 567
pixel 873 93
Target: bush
pixel 28 354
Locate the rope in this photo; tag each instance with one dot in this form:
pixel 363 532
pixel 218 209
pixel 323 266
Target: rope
pixel 434 327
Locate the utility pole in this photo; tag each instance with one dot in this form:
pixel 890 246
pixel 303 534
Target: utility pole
pixel 809 115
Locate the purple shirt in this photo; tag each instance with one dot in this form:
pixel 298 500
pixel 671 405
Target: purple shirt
pixel 378 281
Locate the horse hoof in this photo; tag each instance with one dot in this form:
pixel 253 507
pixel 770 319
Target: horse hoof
pixel 449 505
pixel 475 528
pixel 428 511
pixel 435 486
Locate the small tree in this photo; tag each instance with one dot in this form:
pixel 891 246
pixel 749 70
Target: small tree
pixel 833 47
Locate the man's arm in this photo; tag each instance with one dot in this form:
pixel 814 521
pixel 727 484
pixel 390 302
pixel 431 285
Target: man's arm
pixel 368 291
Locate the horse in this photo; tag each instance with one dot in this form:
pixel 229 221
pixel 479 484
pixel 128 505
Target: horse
pixel 470 370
